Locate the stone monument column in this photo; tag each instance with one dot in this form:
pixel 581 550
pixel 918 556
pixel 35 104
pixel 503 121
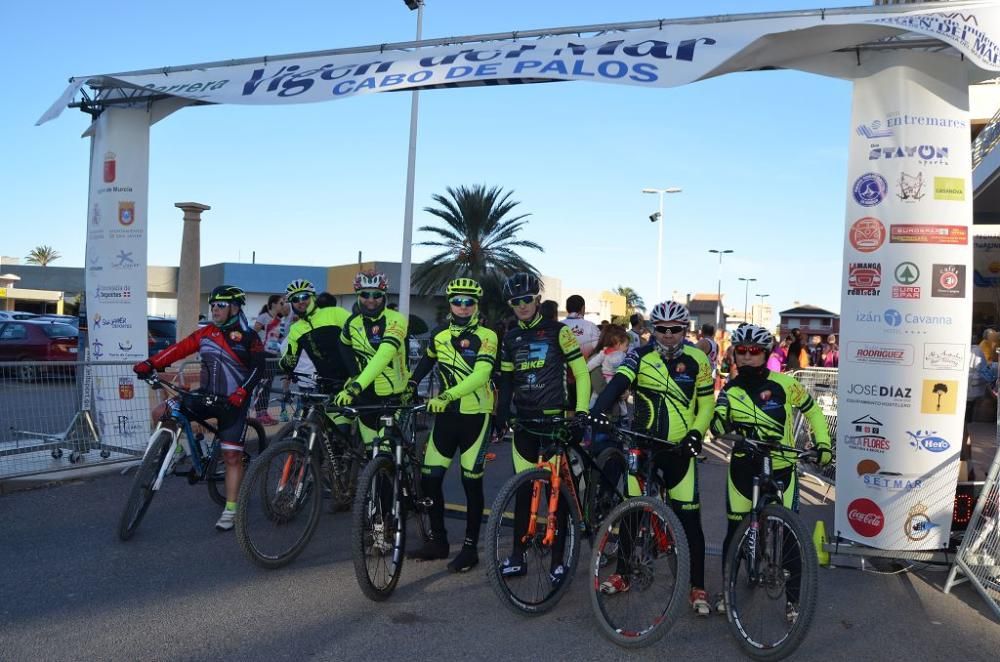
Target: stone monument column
pixel 189 274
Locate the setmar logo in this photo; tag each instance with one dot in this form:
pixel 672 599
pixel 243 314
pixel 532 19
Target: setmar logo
pixel 910 188
pixel 948 281
pixel 875 477
pixel 864 278
pixel 944 356
pixel 949 188
pixel 927 440
pixel 911 233
pixel 870 189
pixel 866 234
pixel 939 396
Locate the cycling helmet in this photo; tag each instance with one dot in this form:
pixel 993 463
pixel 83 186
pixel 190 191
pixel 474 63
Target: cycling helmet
pixel 371 280
pixel 670 311
pixel 229 293
pixel 521 284
pixel 300 285
pixel 751 334
pixel 465 286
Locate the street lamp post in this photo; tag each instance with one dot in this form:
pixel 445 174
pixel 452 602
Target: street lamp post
pixel 746 295
pixel 406 263
pixel 658 216
pixel 762 297
pixel 718 305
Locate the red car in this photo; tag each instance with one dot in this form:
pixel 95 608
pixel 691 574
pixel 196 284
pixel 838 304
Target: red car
pixel 25 340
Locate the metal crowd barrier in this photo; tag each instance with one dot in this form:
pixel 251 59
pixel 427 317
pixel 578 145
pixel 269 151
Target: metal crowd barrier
pixel 52 414
pixel 821 383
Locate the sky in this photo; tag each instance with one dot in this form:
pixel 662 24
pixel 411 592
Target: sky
pixel 761 157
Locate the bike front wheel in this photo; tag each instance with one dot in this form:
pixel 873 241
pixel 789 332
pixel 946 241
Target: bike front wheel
pixel 279 504
pixel 528 574
pixel 770 584
pixel 378 530
pixel 641 567
pixel 142 493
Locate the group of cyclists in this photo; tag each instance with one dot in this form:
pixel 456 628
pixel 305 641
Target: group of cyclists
pixel 536 370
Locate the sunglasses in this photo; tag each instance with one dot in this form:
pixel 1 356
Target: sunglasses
pixel 521 301
pixel 300 297
pixel 371 295
pixel 218 304
pixel 462 302
pixel 752 350
pixel 670 329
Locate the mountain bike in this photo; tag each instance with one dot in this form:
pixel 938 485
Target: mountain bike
pixel 538 516
pixel 770 578
pixel 167 451
pixel 388 494
pixel 642 541
pixel 279 502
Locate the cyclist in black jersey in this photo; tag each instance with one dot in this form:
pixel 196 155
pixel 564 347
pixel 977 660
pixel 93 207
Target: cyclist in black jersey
pixel 534 356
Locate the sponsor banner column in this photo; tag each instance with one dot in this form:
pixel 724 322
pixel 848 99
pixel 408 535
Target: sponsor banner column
pixel 906 308
pixel 116 267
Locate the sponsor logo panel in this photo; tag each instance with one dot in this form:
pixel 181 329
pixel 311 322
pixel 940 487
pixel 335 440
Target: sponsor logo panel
pixel 879 353
pixel 939 396
pixel 948 281
pixel 944 356
pixel 949 188
pixel 912 233
pixel 866 234
pixel 870 189
pixel 865 517
pixel 864 278
pixel 910 188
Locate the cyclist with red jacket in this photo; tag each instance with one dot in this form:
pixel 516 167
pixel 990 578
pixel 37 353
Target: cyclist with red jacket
pixel 232 362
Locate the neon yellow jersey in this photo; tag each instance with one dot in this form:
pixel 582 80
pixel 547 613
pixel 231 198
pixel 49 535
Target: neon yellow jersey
pixel 766 411
pixel 466 358
pixel 672 396
pixel 378 345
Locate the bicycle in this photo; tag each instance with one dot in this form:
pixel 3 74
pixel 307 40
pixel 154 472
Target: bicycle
pixel 771 567
pixel 279 502
pixel 166 449
pixel 643 541
pixel 549 535
pixel 388 493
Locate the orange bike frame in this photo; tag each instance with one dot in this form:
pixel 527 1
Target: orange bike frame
pixel 558 472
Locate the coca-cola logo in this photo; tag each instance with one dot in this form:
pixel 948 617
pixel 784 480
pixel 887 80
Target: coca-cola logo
pixel 865 517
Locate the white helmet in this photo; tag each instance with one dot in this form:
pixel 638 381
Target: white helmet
pixel 751 334
pixel 670 311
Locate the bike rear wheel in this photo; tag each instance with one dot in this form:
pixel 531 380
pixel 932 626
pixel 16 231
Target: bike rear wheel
pixel 378 530
pixel 643 542
pixel 534 591
pixel 279 504
pixel 141 494
pixel 770 603
pixel 254 443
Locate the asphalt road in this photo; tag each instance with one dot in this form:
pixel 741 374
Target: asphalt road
pixel 69 589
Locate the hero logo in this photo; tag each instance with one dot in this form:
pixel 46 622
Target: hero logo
pixel 864 278
pixel 865 517
pixel 879 353
pixel 928 440
pixel 867 435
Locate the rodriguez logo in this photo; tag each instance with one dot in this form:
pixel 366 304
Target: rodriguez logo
pixel 870 189
pixel 879 353
pixel 865 517
pixel 866 234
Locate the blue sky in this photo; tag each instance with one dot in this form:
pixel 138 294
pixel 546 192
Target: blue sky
pixel 761 156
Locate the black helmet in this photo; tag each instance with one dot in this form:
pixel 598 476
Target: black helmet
pixel 521 284
pixel 229 293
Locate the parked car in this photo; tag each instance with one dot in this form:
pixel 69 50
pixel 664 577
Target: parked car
pixel 72 320
pixel 6 315
pixel 162 333
pixel 28 340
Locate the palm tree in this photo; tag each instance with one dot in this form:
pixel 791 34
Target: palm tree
pixel 42 255
pixel 633 301
pixel 479 241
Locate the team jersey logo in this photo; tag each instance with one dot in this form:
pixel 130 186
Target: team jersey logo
pixel 681 368
pixel 376 329
pixel 235 336
pixel 464 344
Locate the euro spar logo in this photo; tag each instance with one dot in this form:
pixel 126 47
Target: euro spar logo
pixel 866 234
pixel 865 517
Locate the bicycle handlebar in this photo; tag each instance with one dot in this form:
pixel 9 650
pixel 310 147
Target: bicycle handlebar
pixel 155 382
pixel 756 445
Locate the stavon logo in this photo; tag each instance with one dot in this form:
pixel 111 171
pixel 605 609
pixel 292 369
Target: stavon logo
pixel 865 517
pixel 923 154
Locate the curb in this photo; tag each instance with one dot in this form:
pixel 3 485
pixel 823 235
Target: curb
pixel 53 478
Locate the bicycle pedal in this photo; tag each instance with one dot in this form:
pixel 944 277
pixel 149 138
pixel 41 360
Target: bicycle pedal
pixel 426 502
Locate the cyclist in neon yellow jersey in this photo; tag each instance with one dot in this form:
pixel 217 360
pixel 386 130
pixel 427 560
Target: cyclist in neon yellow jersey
pixel 465 354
